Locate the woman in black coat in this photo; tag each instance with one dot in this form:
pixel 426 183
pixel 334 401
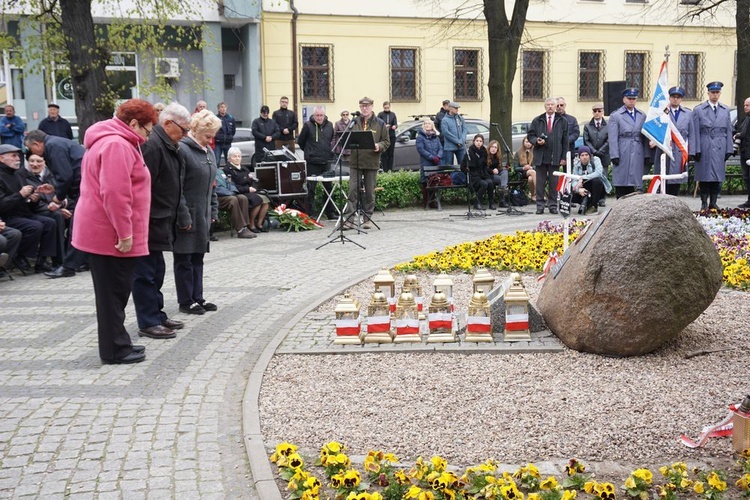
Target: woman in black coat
pixel 479 175
pixel 247 185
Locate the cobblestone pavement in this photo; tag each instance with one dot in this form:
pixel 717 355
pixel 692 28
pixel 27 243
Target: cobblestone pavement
pixel 173 425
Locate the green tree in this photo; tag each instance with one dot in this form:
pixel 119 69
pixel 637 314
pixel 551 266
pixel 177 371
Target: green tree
pixel 65 34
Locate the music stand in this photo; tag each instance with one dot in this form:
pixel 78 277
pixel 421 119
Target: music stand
pixel 346 136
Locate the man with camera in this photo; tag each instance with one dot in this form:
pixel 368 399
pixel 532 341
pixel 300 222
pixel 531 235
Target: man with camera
pixel 548 133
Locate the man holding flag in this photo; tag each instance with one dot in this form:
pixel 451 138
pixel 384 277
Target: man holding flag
pixel 682 119
pixel 668 125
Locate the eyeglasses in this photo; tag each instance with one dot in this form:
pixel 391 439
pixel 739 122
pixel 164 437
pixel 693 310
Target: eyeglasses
pixel 344 114
pixel 598 110
pixel 185 130
pixel 148 130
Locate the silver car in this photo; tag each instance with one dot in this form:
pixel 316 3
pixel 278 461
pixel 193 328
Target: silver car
pixel 406 156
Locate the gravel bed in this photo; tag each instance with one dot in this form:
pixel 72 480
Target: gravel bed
pixel 516 408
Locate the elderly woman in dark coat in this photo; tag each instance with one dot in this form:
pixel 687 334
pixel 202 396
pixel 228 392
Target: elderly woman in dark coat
pixel 199 206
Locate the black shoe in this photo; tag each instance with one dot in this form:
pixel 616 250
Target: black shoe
pixel 193 309
pixel 139 348
pixel 133 357
pixel 60 272
pixel 553 210
pixel 208 306
pixel 255 230
pixel 22 265
pixel 479 206
pixel 602 203
pixel 539 211
pixel 492 206
pixel 83 268
pixel 213 238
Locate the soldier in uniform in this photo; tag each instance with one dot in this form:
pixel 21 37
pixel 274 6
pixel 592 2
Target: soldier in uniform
pixel 628 148
pixel 712 145
pixel 683 120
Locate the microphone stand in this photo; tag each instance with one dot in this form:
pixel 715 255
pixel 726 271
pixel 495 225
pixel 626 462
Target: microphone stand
pixel 510 209
pixel 343 239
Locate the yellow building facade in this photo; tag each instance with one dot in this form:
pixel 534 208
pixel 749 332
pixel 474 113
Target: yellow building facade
pixel 416 62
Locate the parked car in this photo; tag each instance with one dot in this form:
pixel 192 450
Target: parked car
pixel 243 139
pixel 405 153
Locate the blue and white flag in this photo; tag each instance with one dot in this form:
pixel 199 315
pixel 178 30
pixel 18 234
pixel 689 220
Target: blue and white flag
pixel 658 126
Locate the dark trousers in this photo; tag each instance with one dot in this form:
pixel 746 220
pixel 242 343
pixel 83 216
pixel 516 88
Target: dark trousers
pixel 222 148
pixel 237 207
pixel 10 239
pixel 481 187
pixel 673 189
pixel 112 277
pixel 621 191
pixel 148 278
pixel 314 170
pixel 545 178
pixel 188 278
pixel 39 235
pixel 355 184
pixel 386 157
pixel 73 258
pixel 61 223
pixel 595 187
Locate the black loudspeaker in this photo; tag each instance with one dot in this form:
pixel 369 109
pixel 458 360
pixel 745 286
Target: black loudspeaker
pixel 613 96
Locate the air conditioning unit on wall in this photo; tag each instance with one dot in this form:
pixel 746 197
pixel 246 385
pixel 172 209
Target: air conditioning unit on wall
pixel 167 67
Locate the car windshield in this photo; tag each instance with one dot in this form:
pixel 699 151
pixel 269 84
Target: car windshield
pixel 406 126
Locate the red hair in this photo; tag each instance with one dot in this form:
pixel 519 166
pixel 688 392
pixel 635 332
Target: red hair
pixel 138 109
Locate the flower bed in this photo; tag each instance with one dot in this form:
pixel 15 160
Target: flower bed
pixel 383 478
pixel 529 250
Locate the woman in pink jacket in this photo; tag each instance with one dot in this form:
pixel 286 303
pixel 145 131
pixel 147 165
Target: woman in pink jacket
pixel 114 209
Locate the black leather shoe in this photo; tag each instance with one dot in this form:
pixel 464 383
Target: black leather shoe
pixel 22 265
pixel 133 357
pixel 213 238
pixel 208 306
pixel 539 211
pixel 139 348
pixel 60 272
pixel 83 268
pixel 193 309
pixel 173 324
pixel 157 332
pixel 552 210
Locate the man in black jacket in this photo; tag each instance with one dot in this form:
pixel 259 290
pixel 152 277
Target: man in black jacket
pixel 316 140
pixel 165 166
pixel 225 135
pixel 287 122
pixel 55 124
pixel 743 134
pixel 265 130
pixel 391 122
pixel 548 133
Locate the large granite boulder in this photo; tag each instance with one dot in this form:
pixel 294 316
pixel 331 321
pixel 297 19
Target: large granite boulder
pixel 642 272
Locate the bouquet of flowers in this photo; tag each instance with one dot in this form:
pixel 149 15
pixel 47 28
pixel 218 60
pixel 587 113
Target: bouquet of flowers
pixel 294 219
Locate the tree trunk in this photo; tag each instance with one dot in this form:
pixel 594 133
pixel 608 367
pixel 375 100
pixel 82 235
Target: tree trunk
pixel 742 19
pixel 88 61
pixel 504 40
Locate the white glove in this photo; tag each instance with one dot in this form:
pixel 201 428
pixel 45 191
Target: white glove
pixel 747 163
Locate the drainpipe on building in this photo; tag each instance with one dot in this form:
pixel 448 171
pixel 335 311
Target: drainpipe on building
pixel 295 96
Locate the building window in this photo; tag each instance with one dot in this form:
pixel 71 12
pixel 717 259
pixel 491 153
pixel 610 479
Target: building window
pixel 590 75
pixel 229 82
pixel 533 81
pixel 403 74
pixel 466 76
pixel 316 73
pixel 691 74
pixel 636 71
pixel 122 73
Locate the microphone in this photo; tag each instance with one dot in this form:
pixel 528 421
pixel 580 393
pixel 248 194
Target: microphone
pixel 356 113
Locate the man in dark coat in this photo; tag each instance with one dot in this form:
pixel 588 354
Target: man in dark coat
pixel 574 130
pixel 743 134
pixel 548 133
pixel 63 158
pixel 166 168
pixel 315 140
pixel 287 122
pixel 55 124
pixel 439 118
pixel 390 120
pixel 265 130
pixel 225 135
